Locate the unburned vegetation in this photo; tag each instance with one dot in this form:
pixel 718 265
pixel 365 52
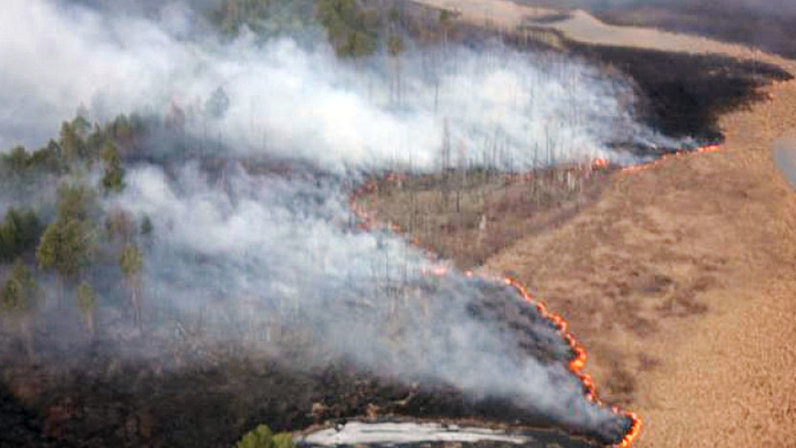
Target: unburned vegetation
pixel 468 215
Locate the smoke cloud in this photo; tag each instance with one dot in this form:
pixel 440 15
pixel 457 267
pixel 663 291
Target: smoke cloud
pixel 253 254
pixel 263 252
pixel 298 101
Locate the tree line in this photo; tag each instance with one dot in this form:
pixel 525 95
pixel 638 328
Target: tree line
pixel 68 243
pixel 354 28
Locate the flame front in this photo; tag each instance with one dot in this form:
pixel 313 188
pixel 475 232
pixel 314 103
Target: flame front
pixel 367 221
pixel 578 362
pixel 646 166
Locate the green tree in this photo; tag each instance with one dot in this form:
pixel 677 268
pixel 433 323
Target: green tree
pixel 352 30
pixel 95 142
pixel 20 292
pixel 262 437
pixel 131 263
pixel 395 46
pixel 446 21
pixel 67 244
pixel 74 202
pixel 46 158
pixel 19 299
pixel 120 224
pixel 72 144
pixel 18 233
pixel 87 303
pixel 113 178
pixel 18 160
pixel 81 125
pixel 121 130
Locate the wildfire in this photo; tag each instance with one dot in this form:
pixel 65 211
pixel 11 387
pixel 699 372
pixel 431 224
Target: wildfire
pixel 577 363
pixel 599 164
pixel 368 221
pixel 646 166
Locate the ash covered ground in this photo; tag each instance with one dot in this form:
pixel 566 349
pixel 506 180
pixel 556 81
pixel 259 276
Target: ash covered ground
pixel 263 303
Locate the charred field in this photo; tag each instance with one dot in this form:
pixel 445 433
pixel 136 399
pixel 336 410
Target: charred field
pixel 95 399
pixel 194 388
pixel 61 402
pixel 683 95
pixel 114 402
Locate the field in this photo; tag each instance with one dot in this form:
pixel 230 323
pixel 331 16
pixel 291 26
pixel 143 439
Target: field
pixel 679 279
pixel 267 301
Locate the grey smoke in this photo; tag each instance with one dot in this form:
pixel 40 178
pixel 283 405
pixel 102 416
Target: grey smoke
pixel 260 252
pixel 252 254
pixel 298 101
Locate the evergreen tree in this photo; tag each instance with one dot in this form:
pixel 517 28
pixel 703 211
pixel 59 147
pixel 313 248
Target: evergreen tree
pixel 19 299
pixel 66 244
pixel 113 179
pixel 87 303
pixel 131 263
pixel 72 144
pixel 146 226
pixel 18 233
pixel 20 292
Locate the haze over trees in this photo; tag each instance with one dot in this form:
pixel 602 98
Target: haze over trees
pixel 354 28
pixel 95 239
pixel 131 262
pixel 19 233
pixel 19 299
pixel 68 243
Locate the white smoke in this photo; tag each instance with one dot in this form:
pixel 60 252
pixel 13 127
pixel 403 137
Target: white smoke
pixel 513 109
pixel 263 251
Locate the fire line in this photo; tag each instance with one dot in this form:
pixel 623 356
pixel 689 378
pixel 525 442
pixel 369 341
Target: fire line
pixel 367 221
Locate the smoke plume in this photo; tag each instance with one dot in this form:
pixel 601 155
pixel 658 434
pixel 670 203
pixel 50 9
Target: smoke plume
pixel 514 109
pixel 256 253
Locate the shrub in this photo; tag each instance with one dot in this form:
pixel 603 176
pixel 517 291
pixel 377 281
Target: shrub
pixel 263 437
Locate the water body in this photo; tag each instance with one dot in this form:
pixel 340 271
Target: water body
pixel 785 158
pixel 379 434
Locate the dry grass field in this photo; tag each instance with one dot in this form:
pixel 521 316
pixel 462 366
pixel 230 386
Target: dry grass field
pixel 681 279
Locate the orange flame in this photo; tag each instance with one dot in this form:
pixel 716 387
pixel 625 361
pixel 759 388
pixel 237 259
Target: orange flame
pixel 367 221
pixel 598 164
pixel 577 363
pixel 646 166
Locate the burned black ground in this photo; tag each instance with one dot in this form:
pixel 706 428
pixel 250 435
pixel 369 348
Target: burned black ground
pixel 682 95
pixel 217 392
pixel 114 403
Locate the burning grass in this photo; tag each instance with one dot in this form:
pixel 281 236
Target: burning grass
pixel 98 400
pixel 383 191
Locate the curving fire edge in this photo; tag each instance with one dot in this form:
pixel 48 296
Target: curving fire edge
pixel 367 221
